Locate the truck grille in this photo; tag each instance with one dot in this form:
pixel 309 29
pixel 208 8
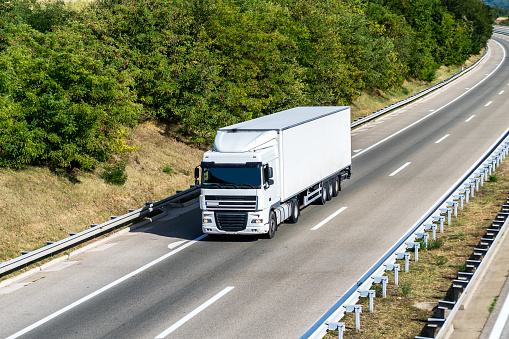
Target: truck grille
pixel 223 202
pixel 230 221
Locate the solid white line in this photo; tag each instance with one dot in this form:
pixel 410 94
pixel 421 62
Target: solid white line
pixel 441 139
pixel 501 321
pixel 500 92
pixel 105 288
pixel 470 118
pixel 489 103
pixel 437 110
pixel 357 150
pixel 328 218
pixel 194 313
pixel 399 169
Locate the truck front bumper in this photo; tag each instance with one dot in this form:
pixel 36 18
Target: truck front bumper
pixel 255 224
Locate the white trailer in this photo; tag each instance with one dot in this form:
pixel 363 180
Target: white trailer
pixel 260 172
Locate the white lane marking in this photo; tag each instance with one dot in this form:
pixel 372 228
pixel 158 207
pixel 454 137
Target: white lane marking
pixel 194 313
pixel 470 118
pixel 501 321
pixel 399 169
pixel 441 139
pixel 328 219
pixel 501 92
pixel 105 288
pixel 437 110
pixel 176 244
pixel 489 103
pixel 357 150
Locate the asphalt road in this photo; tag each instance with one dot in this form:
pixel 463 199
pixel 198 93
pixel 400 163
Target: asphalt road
pixel 168 280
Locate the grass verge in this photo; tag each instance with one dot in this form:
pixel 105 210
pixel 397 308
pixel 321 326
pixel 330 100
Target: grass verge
pixel 405 310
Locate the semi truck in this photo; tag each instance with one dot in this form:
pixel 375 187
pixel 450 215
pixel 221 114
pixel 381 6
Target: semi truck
pixel 262 171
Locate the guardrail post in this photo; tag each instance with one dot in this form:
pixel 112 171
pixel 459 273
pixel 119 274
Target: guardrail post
pixel 382 280
pixel 415 246
pixel 433 229
pixel 459 197
pixel 395 268
pixel 448 211
pixel 439 218
pixel 443 306
pixel 454 205
pixel 357 309
pixel 482 175
pixel 477 180
pixel 406 256
pixel 466 193
pixel 371 294
pixel 433 324
pixel 471 187
pixel 458 286
pixel 333 326
pixel 488 166
pixel 423 236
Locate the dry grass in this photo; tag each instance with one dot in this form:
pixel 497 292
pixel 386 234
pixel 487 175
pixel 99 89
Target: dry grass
pixel 37 205
pixel 430 279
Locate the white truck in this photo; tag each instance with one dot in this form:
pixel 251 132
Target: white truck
pixel 262 171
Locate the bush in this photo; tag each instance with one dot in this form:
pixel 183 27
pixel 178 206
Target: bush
pixel 115 174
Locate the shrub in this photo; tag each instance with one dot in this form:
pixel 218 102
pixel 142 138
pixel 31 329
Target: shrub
pixel 115 174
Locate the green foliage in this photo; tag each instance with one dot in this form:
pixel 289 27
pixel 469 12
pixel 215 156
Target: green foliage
pixel 435 244
pixel 62 106
pixel 441 260
pixel 167 169
pixel 493 178
pixel 72 85
pixel 406 288
pixel 115 174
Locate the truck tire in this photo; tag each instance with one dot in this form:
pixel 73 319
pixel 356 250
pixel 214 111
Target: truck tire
pixel 329 190
pixel 272 226
pixel 335 187
pixel 295 211
pixel 323 197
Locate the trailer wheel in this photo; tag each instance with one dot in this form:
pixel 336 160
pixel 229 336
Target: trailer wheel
pixel 335 187
pixel 323 197
pixel 294 215
pixel 330 190
pixel 272 226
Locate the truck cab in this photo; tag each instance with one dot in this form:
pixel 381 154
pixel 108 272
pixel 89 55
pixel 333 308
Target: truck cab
pixel 240 185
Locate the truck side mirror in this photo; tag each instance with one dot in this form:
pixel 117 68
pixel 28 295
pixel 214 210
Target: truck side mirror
pixel 271 174
pixel 196 175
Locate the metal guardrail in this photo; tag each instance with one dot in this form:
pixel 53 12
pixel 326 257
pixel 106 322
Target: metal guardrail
pixel 51 248
pixel 74 239
pixel 456 196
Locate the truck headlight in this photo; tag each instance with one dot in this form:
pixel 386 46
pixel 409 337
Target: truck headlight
pixel 207 221
pixel 257 221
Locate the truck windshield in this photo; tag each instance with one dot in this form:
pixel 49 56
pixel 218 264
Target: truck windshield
pixel 246 175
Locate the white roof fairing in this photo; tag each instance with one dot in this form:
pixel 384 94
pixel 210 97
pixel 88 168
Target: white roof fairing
pixel 285 119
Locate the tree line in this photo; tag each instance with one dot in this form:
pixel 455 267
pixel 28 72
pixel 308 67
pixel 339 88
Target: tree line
pixel 75 83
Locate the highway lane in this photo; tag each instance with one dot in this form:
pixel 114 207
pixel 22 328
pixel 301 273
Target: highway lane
pixel 248 287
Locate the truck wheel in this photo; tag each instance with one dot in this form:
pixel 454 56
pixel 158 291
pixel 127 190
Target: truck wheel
pixel 294 214
pixel 335 187
pixel 323 197
pixel 272 226
pixel 329 190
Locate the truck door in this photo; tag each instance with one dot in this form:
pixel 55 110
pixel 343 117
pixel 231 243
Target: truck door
pixel 270 184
